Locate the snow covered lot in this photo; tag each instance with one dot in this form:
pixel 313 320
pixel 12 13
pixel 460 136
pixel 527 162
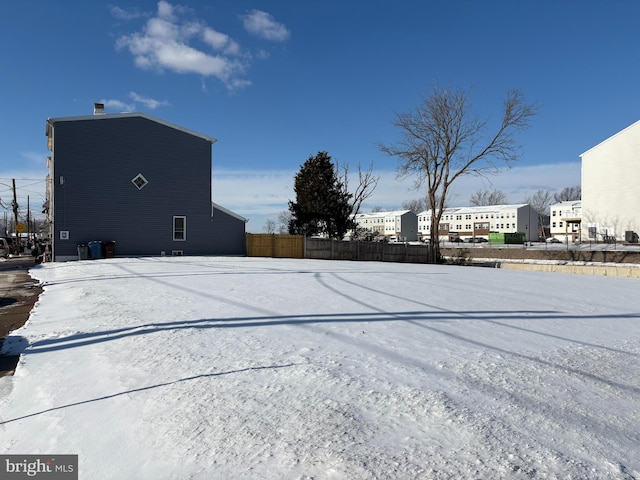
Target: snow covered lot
pixel 252 368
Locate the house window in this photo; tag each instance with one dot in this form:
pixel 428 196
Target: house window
pixel 139 181
pixel 179 228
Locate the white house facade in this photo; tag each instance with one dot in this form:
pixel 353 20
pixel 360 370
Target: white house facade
pixel 565 221
pixel 611 187
pixel 397 225
pixel 478 222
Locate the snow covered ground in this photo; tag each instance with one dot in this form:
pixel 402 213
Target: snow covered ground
pixel 253 368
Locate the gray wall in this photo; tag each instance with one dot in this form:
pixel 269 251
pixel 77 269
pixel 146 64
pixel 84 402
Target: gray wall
pixel 98 158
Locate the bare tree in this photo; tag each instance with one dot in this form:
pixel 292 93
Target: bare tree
pixel 269 226
pixel 420 204
pixel 416 206
pixel 284 218
pixel 540 202
pixel 367 183
pixel 485 197
pixel 568 194
pixel 442 140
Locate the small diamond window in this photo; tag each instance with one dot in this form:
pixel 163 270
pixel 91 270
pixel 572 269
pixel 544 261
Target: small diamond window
pixel 139 181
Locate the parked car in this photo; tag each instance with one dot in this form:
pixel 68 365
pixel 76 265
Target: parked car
pixel 5 250
pixel 553 240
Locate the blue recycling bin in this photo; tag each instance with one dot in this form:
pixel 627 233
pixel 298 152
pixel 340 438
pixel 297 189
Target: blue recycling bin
pixel 95 249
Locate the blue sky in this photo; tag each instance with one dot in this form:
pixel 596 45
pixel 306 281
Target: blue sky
pixel 277 81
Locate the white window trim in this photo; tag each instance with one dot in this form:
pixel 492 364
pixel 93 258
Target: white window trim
pixel 184 237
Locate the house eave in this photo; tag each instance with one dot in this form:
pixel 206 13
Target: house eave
pixel 229 212
pixel 110 116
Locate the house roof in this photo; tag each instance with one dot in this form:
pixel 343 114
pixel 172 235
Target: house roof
pixel 228 212
pixel 477 209
pixel 567 203
pixel 393 213
pixel 111 116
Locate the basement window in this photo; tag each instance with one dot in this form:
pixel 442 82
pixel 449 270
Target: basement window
pixel 139 181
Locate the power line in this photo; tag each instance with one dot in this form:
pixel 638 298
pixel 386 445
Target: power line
pixel 25 179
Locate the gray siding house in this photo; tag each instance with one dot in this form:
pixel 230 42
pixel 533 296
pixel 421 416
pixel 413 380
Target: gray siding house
pixel 138 181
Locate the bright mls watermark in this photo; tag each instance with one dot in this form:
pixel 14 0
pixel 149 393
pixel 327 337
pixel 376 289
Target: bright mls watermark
pixel 51 467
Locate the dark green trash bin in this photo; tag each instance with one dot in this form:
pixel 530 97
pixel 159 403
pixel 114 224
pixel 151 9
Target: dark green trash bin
pixel 83 252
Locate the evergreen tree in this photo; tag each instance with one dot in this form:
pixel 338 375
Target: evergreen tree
pixel 322 204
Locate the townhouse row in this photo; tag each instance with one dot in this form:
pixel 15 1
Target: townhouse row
pixel 608 211
pixel 459 223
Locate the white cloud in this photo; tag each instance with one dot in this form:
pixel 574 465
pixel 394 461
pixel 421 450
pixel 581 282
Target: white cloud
pixel 220 41
pixel 148 102
pixel 36 159
pixel 165 11
pixel 122 14
pixel 262 25
pixel 118 105
pixel 160 47
pixel 253 191
pixel 170 41
pixel 258 195
pixel 517 183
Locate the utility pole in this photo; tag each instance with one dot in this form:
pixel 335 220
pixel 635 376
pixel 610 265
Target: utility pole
pixel 15 217
pixel 28 221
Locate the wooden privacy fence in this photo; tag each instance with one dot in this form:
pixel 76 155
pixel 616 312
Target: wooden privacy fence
pixel 297 246
pixel 277 246
pixel 365 251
